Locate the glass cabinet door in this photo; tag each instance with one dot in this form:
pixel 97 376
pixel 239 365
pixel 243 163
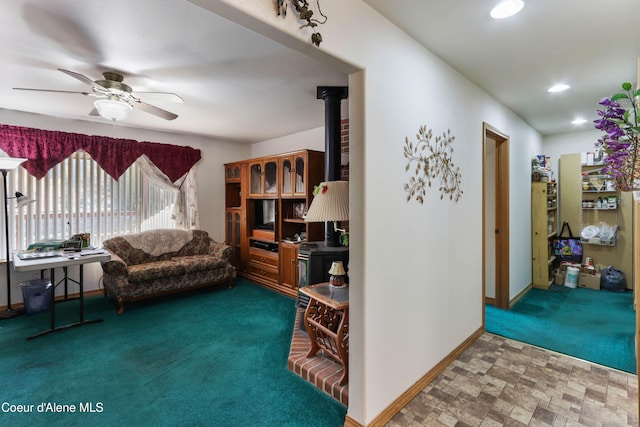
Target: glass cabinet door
pixel 233 238
pixel 300 184
pixel 287 179
pixel 256 178
pixel 263 176
pixel 229 229
pixel 271 177
pixel 232 173
pixel 236 239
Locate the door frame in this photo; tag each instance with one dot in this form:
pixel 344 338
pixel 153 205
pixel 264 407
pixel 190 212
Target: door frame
pixel 502 198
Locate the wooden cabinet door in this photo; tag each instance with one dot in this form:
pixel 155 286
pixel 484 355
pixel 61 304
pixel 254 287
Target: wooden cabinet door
pixel 233 234
pixel 263 177
pixel 300 175
pixel 289 265
pixel 287 172
pixel 293 175
pixel 233 172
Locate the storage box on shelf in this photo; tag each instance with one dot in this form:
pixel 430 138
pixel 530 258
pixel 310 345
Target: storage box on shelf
pixel 544 227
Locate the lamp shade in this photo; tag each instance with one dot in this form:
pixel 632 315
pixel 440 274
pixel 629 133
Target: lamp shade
pixel 23 200
pixel 337 268
pixel 331 203
pixel 112 109
pixel 10 163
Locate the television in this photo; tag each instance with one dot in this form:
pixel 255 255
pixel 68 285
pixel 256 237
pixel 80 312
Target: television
pixel 265 214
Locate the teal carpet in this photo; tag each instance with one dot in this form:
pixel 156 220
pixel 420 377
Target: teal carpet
pixel 216 357
pixel 598 326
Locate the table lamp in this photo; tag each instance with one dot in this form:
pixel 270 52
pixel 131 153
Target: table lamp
pixel 8 164
pixel 337 275
pixel 330 205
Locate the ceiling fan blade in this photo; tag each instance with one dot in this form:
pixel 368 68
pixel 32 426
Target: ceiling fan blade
pixel 81 77
pixel 52 90
pixel 167 115
pixel 161 96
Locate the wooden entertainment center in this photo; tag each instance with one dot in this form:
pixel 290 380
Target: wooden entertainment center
pixel 265 200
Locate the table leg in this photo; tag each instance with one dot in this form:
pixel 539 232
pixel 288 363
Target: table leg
pixel 328 330
pixel 66 281
pixel 311 330
pixel 52 308
pixel 81 321
pixel 80 283
pixel 343 345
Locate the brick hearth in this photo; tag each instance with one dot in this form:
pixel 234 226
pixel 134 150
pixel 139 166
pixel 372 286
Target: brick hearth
pixel 320 370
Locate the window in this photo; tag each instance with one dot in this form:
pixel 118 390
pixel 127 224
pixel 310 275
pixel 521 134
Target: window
pixel 77 196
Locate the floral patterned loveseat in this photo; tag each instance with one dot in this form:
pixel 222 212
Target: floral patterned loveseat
pixel 159 262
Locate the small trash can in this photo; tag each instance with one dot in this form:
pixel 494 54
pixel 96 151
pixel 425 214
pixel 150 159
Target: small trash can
pixel 36 295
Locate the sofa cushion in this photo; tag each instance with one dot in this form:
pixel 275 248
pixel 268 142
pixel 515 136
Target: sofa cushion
pixel 160 241
pixel 200 244
pixel 199 262
pixel 154 270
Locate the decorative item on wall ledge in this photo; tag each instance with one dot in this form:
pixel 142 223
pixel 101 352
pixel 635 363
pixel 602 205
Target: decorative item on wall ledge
pixel 432 160
pixel 304 14
pixel 620 141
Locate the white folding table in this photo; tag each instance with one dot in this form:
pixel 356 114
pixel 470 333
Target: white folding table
pixel 63 260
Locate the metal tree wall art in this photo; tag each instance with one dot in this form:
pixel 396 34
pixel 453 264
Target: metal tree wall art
pixel 433 162
pixel 304 14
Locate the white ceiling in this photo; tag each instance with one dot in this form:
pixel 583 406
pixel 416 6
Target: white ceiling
pixel 592 45
pixel 238 85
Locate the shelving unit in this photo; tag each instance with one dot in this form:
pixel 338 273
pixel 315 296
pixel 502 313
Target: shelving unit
pixel 570 208
pixel 273 194
pixel 600 203
pixel 544 227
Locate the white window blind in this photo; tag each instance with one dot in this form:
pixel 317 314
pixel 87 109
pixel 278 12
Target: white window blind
pixel 77 196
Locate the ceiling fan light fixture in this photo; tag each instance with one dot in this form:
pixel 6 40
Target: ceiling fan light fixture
pixel 506 8
pixel 112 109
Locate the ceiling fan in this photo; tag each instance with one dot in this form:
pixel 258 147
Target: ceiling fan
pixel 115 98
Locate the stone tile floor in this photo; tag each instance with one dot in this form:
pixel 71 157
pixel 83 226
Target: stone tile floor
pixel 501 382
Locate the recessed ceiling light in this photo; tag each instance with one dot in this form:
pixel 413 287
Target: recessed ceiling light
pixel 506 8
pixel 579 121
pixel 558 88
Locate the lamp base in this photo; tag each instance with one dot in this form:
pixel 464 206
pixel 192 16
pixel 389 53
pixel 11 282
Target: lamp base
pixel 10 313
pixel 336 281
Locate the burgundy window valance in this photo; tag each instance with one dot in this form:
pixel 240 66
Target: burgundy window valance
pixel 44 149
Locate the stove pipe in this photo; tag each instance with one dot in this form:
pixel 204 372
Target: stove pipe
pixel 332 96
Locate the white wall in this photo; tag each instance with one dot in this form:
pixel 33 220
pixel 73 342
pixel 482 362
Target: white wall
pixel 308 140
pixel 416 288
pixel 210 176
pixel 313 139
pixel 569 143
